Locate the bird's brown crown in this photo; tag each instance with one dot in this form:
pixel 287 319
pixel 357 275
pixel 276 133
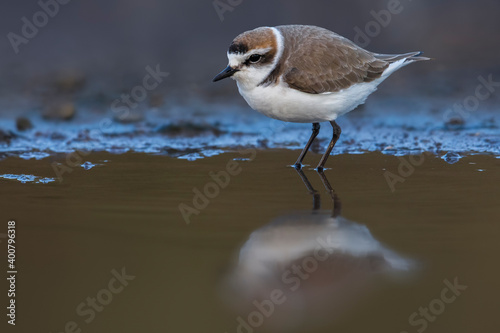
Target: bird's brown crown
pixel 260 38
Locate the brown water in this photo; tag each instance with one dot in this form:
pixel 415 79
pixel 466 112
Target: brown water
pixel 441 223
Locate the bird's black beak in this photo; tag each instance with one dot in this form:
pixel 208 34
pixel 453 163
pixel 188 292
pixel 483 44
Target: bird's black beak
pixel 228 72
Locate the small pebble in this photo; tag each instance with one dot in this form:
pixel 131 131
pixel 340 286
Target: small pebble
pixel 23 124
pixel 129 116
pixel 69 81
pixel 59 111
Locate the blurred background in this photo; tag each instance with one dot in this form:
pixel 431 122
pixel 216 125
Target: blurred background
pixel 108 43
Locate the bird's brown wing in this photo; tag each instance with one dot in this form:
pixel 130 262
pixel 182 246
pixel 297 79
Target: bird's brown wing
pixel 319 61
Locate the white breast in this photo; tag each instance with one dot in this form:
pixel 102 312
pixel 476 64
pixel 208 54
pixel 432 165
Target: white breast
pixel 287 104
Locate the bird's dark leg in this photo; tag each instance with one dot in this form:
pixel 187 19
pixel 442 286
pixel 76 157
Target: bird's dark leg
pixel 336 134
pixel 315 132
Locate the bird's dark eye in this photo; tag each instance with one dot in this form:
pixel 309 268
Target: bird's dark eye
pixel 254 58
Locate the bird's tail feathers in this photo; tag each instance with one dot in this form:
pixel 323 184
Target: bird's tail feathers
pixel 410 57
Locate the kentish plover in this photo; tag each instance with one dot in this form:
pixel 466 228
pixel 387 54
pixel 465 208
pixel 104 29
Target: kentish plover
pixel 307 74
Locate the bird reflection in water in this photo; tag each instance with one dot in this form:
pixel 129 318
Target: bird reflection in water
pixel 305 269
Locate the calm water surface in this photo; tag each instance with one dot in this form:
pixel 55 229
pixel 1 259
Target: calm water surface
pixel 108 249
